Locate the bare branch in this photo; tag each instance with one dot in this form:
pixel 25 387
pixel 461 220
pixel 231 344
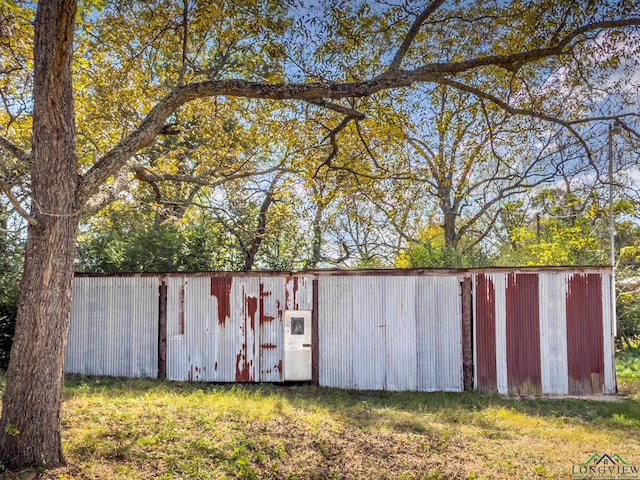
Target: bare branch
pixel 332 137
pixel 16 205
pixel 519 111
pixel 339 108
pixel 411 34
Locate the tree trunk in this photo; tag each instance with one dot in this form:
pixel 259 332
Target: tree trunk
pixel 449 226
pixel 30 423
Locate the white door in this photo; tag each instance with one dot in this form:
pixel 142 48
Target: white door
pixel 297 345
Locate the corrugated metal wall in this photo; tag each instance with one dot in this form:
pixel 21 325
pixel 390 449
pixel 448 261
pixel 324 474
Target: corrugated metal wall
pixel 114 327
pixel 229 328
pixel 390 332
pixel 534 331
pixel 543 333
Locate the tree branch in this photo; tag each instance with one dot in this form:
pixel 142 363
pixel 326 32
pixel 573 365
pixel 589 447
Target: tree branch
pixel 411 34
pixel 104 198
pixel 16 205
pixel 145 134
pixel 205 180
pixel 332 137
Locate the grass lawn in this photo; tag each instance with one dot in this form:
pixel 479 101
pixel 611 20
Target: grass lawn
pixel 139 429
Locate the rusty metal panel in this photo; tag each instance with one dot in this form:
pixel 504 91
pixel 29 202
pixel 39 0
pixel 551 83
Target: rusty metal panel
pixel 553 338
pixel 585 334
pixel 228 328
pixel 335 331
pixel 271 344
pixel 114 327
pixel 484 294
pixel 298 293
pixel 199 346
pixel 439 334
pixel 191 324
pixel 552 331
pixel 370 328
pixel 201 326
pixel 523 334
pixel 245 295
pixel 467 332
pixel 401 348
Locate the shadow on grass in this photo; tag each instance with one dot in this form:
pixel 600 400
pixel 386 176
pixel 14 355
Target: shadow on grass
pixel 366 409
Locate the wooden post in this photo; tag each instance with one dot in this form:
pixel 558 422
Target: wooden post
pixel 162 330
pixel 467 334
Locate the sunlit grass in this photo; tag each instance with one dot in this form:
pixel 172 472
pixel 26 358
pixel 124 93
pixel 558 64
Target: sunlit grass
pixel 121 429
pixel 628 373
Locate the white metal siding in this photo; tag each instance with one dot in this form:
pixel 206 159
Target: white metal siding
pixel 608 330
pixel 439 334
pixel 335 331
pixel 272 304
pixel 114 327
pixel 390 332
pixel 369 356
pixel 245 346
pixel 553 333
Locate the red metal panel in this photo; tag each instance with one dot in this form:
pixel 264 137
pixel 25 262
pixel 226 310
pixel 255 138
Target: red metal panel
pixel 467 336
pixel 585 347
pixel 524 371
pixel 486 334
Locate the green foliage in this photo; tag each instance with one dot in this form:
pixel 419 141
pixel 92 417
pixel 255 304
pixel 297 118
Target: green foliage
pixel 555 228
pixel 431 252
pixel 628 365
pixel 152 248
pixel 10 270
pixel 628 302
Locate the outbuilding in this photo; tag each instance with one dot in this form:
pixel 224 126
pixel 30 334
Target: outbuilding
pixel 527 331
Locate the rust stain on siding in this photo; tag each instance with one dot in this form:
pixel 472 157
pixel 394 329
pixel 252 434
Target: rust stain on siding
pixel 291 293
pixel 486 334
pixel 264 294
pixel 244 361
pixel 221 289
pixel 585 347
pixel 242 366
pixel 269 346
pixel 252 309
pixel 524 371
